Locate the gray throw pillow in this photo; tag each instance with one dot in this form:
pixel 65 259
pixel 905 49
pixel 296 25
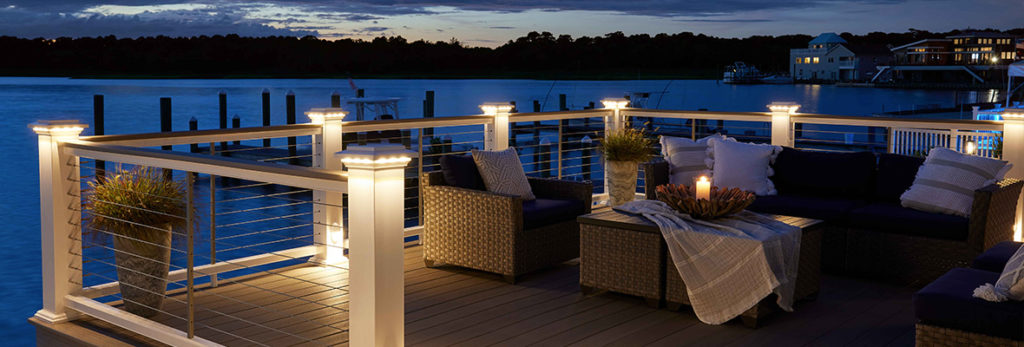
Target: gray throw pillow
pixel 946 181
pixel 503 172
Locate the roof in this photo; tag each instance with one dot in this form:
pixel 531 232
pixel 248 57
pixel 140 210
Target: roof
pixel 915 43
pixel 827 38
pixel 981 34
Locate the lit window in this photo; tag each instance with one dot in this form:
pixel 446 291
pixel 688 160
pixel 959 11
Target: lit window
pixel 798 60
pixel 815 60
pixel 807 60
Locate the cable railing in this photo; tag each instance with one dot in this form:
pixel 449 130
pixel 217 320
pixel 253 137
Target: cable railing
pixel 254 261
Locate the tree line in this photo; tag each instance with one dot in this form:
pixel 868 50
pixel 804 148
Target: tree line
pixel 535 55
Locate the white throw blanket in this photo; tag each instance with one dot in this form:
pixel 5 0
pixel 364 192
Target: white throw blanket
pixel 728 264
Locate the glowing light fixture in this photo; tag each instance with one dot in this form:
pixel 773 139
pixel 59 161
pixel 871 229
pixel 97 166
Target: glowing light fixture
pixel 494 108
pixel 615 103
pixel 789 107
pixel 58 128
pixel 970 147
pixel 319 115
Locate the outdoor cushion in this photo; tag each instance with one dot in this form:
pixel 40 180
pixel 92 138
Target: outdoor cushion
pixel 541 212
pixel 893 218
pixel 995 258
pixel 831 209
pixel 948 302
pixel 895 175
pixel 743 165
pixel 687 159
pixel 503 172
pixel 823 173
pixel 947 181
pixel 460 171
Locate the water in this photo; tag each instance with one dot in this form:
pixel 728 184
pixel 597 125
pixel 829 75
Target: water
pixel 132 106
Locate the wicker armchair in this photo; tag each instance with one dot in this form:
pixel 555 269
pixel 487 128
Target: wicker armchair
pixel 484 231
pixel 904 258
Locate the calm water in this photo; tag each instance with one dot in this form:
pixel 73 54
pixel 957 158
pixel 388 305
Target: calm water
pixel 133 106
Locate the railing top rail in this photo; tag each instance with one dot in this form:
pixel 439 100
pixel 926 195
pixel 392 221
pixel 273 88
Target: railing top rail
pixel 713 115
pixel 205 136
pixel 558 115
pixel 290 175
pixel 921 123
pixel 413 123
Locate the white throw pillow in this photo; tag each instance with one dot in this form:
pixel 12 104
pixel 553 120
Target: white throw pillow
pixel 503 172
pixel 1009 286
pixel 946 181
pixel 687 159
pixel 746 166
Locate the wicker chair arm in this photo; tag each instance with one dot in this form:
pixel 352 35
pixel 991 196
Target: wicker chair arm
pixel 655 174
pixel 477 227
pixel 563 189
pixel 993 213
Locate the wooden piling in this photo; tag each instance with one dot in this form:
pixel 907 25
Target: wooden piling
pixel 236 123
pixel 266 113
pixel 222 100
pixel 428 112
pixel 536 106
pixel 97 129
pixel 165 126
pixel 360 93
pixel 193 125
pixel 562 105
pixel 289 101
pixel 335 99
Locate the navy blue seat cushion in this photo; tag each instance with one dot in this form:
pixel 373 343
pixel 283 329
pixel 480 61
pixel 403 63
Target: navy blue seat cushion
pixel 994 259
pixel 540 212
pixel 800 172
pixel 948 302
pixel 831 209
pixel 895 175
pixel 460 171
pixel 893 218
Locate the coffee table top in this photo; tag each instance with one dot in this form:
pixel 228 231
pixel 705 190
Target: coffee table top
pixel 607 217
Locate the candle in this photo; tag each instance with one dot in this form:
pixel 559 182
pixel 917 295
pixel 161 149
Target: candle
pixel 703 188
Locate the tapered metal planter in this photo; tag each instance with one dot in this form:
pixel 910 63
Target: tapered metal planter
pixel 142 267
pixel 621 181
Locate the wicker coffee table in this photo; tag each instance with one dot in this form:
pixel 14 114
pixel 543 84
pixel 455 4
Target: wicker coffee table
pixel 626 254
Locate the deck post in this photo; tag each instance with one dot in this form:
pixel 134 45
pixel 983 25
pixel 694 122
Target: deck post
pixel 328 232
pixel 60 225
pixel 496 133
pixel 376 257
pixel 1013 152
pixel 782 122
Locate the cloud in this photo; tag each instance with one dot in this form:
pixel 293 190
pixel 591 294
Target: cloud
pixel 502 27
pixel 738 20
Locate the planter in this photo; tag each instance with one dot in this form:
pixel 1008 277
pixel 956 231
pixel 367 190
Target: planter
pixel 143 261
pixel 621 178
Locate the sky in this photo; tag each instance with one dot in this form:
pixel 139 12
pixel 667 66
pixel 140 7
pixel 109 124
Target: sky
pixel 492 23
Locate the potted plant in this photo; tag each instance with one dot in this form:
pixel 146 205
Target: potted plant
pixel 139 208
pixel 623 151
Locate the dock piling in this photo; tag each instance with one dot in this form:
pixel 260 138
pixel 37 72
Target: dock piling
pixel 165 126
pixel 236 123
pixel 289 101
pixel 335 99
pixel 97 129
pixel 222 101
pixel 562 103
pixel 266 113
pixel 193 125
pixel 536 106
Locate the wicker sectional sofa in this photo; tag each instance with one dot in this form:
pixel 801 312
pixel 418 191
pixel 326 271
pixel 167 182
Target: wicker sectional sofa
pixel 868 232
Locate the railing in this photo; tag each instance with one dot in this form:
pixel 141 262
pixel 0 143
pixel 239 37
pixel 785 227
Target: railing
pixel 262 211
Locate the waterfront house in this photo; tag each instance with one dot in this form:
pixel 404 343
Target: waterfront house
pixel 829 57
pixel 974 57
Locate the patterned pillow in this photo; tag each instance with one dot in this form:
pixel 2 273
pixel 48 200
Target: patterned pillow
pixel 946 181
pixel 503 172
pixel 746 166
pixel 687 159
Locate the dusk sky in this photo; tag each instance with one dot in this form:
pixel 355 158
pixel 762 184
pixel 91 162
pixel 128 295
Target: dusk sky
pixel 491 23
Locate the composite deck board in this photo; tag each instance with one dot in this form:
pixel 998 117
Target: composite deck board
pixel 307 305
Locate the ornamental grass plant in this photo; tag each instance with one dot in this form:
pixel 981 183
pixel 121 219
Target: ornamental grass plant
pixel 628 145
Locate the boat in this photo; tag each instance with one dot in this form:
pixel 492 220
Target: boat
pixel 741 73
pixel 777 79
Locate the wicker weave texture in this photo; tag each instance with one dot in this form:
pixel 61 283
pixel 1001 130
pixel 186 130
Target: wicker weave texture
pixel 622 261
pixel 933 336
pixel 808 277
pixel 484 231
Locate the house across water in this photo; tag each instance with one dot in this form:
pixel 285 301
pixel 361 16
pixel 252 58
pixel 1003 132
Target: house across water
pixel 829 58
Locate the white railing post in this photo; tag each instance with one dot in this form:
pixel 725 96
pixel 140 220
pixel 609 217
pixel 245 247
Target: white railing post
pixel 1013 152
pixel 496 134
pixel 60 224
pixel 328 232
pixel 782 123
pixel 376 176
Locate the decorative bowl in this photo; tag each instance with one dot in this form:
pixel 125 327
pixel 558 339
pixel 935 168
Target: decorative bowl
pixel 723 202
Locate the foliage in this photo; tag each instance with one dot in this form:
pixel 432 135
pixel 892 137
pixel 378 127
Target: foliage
pixel 629 144
pixel 136 203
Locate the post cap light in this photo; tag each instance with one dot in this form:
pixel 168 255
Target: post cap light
pixel 784 106
pixel 319 115
pixel 1013 115
pixel 970 147
pixel 615 103
pixel 58 128
pixel 494 108
pixel 376 156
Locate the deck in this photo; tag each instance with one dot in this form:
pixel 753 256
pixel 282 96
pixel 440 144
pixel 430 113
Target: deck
pixel 452 306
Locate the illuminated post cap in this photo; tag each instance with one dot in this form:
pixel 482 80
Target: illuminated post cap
pixel 376 156
pixel 784 106
pixel 319 115
pixel 615 103
pixel 58 128
pixel 1013 115
pixel 494 108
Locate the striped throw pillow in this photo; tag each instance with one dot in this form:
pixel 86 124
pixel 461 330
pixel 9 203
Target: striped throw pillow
pixel 946 181
pixel 687 159
pixel 503 172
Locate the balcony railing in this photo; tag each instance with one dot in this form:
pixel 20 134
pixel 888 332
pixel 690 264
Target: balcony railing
pixel 289 212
